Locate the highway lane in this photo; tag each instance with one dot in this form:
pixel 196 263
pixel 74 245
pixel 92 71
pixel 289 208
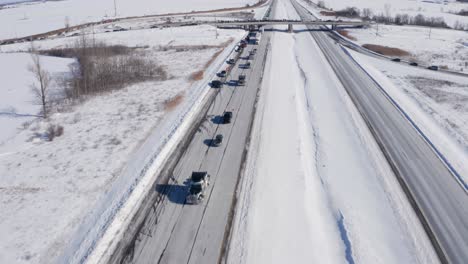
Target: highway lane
pixel 439 200
pixel 174 232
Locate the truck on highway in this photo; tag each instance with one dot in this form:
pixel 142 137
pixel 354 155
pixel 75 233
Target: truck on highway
pixel 198 184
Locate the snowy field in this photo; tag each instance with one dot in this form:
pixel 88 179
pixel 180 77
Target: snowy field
pixel 437 102
pixel 428 8
pixel 319 191
pixel 443 47
pixel 39 17
pixel 48 189
pixel 18 105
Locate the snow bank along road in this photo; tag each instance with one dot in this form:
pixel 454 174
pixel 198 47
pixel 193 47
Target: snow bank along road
pixel 175 232
pixel 440 201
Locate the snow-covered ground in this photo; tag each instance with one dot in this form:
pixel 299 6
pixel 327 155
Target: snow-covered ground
pixel 442 47
pixel 435 101
pixel 18 104
pixel 316 187
pixel 428 8
pixel 39 17
pixel 53 193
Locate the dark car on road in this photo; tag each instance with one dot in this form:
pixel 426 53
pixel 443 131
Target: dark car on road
pixel 413 64
pixel 227 116
pixel 433 67
pixel 217 140
pixel 198 185
pixel 396 59
pixel 216 84
pixel 241 80
pixel 222 74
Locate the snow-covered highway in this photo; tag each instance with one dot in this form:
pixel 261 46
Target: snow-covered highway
pixel 175 232
pixel 440 200
pixel 329 170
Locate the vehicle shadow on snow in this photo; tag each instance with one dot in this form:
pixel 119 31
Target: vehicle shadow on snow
pixel 209 142
pixel 176 193
pixel 232 83
pixel 218 120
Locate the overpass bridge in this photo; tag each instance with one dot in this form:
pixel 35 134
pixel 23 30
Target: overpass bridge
pixel 256 24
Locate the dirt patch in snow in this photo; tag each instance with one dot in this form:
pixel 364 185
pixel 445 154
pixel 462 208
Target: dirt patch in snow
pixel 196 76
pixel 171 103
pixel 385 50
pixel 345 33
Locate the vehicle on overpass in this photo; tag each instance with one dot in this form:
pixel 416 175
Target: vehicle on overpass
pixel 227 116
pixel 217 140
pixel 241 80
pixel 198 184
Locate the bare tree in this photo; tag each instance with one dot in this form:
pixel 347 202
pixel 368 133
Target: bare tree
pixel 39 88
pixel 321 4
pixel 367 13
pixel 388 9
pixel 67 22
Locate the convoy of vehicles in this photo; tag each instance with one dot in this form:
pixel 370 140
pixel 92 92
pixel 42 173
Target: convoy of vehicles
pixel 199 181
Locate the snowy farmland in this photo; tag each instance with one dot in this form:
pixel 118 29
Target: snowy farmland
pixel 49 188
pixel 443 47
pixel 39 17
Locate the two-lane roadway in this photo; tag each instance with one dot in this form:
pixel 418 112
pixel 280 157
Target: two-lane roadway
pixel 440 201
pixel 176 232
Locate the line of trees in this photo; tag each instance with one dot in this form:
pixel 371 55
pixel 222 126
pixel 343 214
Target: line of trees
pixel 386 17
pixel 98 68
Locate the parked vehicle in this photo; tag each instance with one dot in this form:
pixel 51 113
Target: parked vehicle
pixel 217 140
pixel 413 64
pixel 216 84
pixel 396 59
pixel 198 184
pixel 227 116
pixel 231 61
pixel 241 80
pixel 247 65
pixel 222 74
pixel 433 67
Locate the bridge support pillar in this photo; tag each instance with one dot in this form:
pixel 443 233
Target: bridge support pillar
pixel 333 27
pixel 290 28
